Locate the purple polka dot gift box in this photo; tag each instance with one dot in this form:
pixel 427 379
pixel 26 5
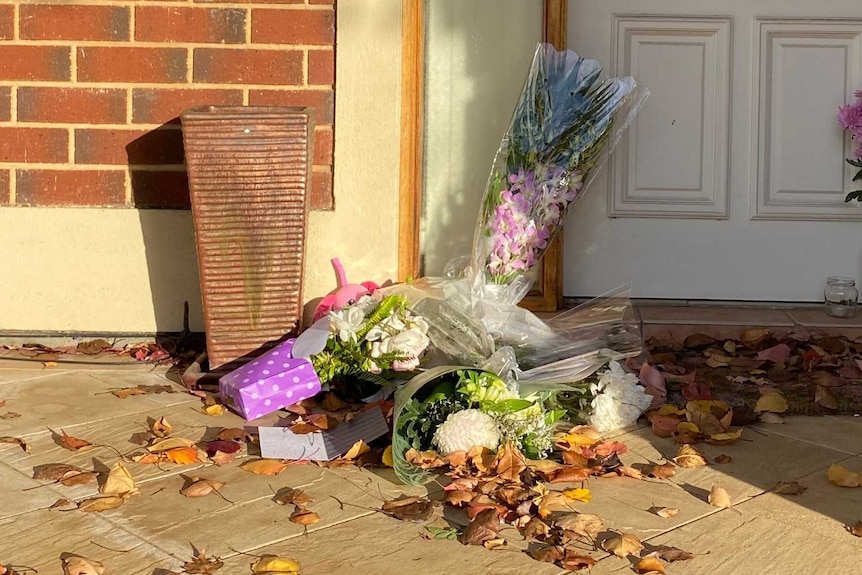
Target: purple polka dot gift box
pixel 269 383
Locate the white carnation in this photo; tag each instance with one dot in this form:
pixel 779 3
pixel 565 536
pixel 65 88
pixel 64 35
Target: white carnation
pixel 466 429
pixel 619 400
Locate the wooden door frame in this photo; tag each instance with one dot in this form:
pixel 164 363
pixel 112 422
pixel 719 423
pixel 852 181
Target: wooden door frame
pixel 547 294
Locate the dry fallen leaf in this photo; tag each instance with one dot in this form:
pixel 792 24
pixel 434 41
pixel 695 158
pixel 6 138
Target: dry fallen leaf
pixel 272 564
pixel 119 482
pixel 549 554
pixel 182 455
pixel 304 517
pixel 288 495
pixel 856 529
pixel 215 409
pixel 510 463
pixel 574 561
pixel 459 498
pixel 200 565
pixel 161 427
pixel 629 472
pixel 201 487
pixel 688 456
pixel 570 475
pixel 414 508
pixel 669 554
pixel 10 415
pixel 843 477
pixel 59 503
pixel 169 443
pixel 719 497
pixel 722 459
pixel 825 398
pixel 771 401
pixel 358 448
pixel 666 512
pixel 233 434
pixel 663 471
pixel 579 494
pixel 649 565
pixel 484 527
pixel 72 443
pixel 128 392
pixel 424 459
pixel 53 471
pixel 753 337
pixel 724 438
pixel 622 544
pixel 771 418
pixel 104 503
pixel 77 565
pixel 789 488
pixel 17 441
pixel 264 466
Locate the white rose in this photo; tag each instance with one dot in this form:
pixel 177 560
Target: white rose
pixel 346 322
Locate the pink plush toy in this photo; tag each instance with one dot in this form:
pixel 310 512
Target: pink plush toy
pixel 346 294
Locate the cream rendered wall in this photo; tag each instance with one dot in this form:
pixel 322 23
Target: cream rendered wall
pixel 129 271
pixel 477 54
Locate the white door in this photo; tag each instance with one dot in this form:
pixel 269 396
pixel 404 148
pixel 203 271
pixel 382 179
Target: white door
pixel 730 184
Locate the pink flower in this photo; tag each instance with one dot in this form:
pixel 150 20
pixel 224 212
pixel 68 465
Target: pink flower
pixel 850 116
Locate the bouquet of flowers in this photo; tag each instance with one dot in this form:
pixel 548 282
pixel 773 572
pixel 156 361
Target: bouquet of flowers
pixel 850 118
pixel 446 411
pixel 375 340
pixel 567 121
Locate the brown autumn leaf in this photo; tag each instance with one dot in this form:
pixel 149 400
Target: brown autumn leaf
pixel 581 524
pixel 569 475
pixel 62 502
pixel 484 527
pixel 182 455
pixel 549 554
pixel 167 443
pixel 789 488
pixel 199 487
pixel 413 508
pixel 72 443
pixel 512 495
pixel 843 477
pixel 698 340
pixel 536 529
pixel 161 427
pixel 665 512
pixel 146 458
pixel 233 434
pixel 222 458
pixel 213 447
pixel 669 554
pixel 98 504
pixel 574 561
pixel 265 466
pixel 753 337
pixel 304 517
pixel 629 472
pixel 77 565
pixel 10 415
pixel 711 416
pixel 772 402
pixel 332 402
pixel 663 471
pixel 289 495
pixel 275 565
pixel 78 478
pixel 424 459
pixel 128 392
pixel 722 459
pixel 688 456
pixel 359 448
pixel 724 438
pixel 510 463
pixel 119 482
pixel 719 497
pixel 17 441
pixel 459 498
pixel 201 565
pixel 53 471
pixel 649 565
pixel 825 398
pixel 622 544
pixel 856 529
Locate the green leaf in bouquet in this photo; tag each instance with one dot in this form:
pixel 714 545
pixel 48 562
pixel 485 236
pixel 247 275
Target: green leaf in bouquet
pixel 856 163
pixel 858 176
pixel 506 406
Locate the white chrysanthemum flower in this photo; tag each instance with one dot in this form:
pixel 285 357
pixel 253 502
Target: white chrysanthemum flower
pixel 619 400
pixel 466 429
pixel 347 322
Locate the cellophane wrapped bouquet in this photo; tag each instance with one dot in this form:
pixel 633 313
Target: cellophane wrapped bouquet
pixel 504 375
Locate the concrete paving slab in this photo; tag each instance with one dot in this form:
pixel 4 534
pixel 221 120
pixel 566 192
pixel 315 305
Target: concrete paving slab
pixel 36 540
pixel 841 433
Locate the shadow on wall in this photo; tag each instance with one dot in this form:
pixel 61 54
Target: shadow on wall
pixel 160 191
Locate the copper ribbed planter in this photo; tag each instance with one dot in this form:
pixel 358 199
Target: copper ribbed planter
pixel 249 176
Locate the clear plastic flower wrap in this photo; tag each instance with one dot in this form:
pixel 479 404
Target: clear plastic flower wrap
pixel 568 120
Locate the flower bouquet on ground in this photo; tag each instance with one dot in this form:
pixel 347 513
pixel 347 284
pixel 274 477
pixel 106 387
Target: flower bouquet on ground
pixel 447 412
pixel 566 123
pixel 850 118
pixel 371 343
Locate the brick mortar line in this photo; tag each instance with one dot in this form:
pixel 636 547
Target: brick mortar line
pixel 165 44
pixel 151 126
pixel 71 167
pixel 13 185
pixel 70 138
pixel 190 65
pixel 165 86
pixel 248 25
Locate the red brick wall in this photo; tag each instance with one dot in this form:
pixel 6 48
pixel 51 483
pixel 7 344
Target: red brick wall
pixel 90 93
